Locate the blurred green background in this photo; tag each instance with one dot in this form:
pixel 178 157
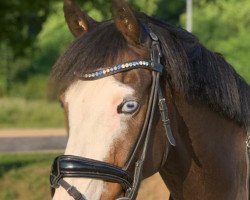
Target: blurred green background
pixel 33 34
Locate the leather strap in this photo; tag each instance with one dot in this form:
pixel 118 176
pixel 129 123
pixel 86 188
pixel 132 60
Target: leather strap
pixel 165 118
pixel 139 164
pixel 143 131
pixel 72 191
pixel 248 160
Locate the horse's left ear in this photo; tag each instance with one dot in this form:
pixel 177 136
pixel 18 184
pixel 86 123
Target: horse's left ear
pixel 78 21
pixel 125 21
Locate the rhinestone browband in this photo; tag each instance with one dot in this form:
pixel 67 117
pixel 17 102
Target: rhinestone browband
pixel 118 68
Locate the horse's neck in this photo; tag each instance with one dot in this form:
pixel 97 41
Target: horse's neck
pixel 209 159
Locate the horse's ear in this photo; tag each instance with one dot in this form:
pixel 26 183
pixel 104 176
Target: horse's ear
pixel 78 22
pixel 126 21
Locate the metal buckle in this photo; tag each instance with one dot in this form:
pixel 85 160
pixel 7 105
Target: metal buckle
pixel 55 173
pixel 163 109
pixel 248 142
pixel 54 181
pixel 162 103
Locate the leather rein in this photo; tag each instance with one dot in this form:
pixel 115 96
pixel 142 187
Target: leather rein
pixel 74 166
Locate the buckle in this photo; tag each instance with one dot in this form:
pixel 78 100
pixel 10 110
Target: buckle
pixel 54 181
pixel 248 142
pixel 55 174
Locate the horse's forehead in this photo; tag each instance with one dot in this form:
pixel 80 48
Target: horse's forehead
pixel 104 88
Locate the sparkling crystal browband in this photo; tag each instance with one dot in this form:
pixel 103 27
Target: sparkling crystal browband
pixel 118 68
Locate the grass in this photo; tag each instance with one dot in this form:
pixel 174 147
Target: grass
pixel 21 113
pixel 25 176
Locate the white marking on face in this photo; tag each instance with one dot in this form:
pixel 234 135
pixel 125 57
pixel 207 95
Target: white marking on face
pixel 94 125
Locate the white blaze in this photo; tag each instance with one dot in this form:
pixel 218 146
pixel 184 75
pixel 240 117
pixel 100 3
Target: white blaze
pixel 94 124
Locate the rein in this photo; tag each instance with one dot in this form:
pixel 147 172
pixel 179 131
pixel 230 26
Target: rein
pixel 248 163
pixel 74 166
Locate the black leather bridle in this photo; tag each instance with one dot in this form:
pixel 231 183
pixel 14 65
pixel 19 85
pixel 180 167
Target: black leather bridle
pixel 74 166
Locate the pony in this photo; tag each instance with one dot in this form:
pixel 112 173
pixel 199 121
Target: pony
pixel 205 112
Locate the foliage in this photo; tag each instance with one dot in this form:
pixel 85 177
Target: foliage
pixel 147 6
pixel 20 113
pixel 21 21
pixel 46 43
pixel 34 33
pixel 26 175
pixel 51 41
pixel 170 11
pixel 224 27
pixel 35 88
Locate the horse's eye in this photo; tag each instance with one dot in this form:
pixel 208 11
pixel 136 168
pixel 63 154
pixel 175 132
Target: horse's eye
pixel 128 107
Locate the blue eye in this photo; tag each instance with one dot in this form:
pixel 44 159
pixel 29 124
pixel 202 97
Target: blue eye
pixel 128 107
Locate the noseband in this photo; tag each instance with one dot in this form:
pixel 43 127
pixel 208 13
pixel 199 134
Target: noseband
pixel 74 166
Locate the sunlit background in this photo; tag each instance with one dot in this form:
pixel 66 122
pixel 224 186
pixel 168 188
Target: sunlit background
pixel 32 36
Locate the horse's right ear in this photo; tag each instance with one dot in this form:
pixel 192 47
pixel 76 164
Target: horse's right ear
pixel 78 22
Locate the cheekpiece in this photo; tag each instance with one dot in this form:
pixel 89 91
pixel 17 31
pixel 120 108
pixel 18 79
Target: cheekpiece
pixel 118 68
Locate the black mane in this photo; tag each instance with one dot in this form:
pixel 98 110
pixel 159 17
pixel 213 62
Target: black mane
pixel 192 69
pixel 202 74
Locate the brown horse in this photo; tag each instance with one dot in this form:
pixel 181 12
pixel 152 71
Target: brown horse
pixel 107 88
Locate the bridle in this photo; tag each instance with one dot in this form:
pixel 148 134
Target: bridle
pixel 74 166
pixel 248 163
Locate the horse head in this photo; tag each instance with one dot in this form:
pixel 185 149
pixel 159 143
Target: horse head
pixel 110 102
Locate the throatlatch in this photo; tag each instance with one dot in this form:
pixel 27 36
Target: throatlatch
pixel 73 166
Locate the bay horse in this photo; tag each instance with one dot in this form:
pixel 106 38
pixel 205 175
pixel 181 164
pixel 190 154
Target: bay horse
pixel 110 80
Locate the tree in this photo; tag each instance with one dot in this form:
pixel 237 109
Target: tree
pixel 224 26
pixel 170 10
pixel 20 22
pixel 33 34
